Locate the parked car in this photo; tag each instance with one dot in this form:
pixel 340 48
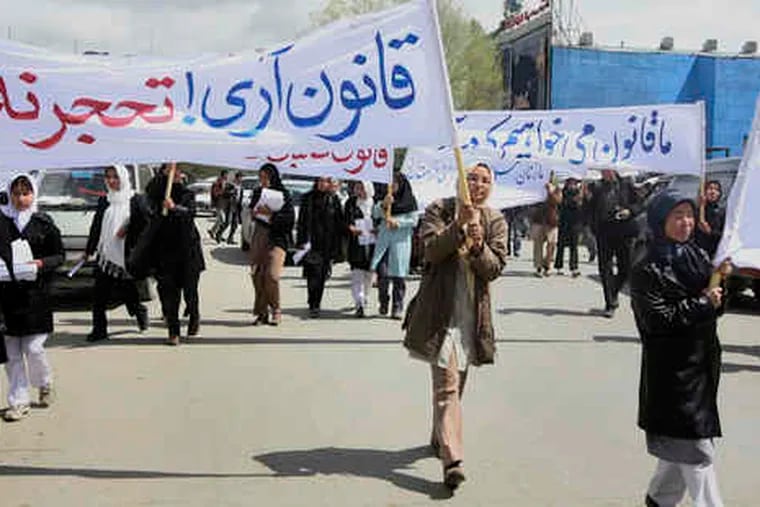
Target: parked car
pixel 202 190
pixel 70 197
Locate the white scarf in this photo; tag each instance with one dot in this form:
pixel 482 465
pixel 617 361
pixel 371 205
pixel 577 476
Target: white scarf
pixel 116 216
pixel 366 204
pixel 20 218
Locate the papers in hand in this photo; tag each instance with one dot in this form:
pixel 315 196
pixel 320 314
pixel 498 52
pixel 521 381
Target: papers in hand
pixel 300 254
pixel 272 199
pixel 23 272
pixel 367 237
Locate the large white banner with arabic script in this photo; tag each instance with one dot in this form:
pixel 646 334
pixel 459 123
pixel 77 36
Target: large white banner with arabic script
pixel 375 80
pixel 524 147
pixel 741 235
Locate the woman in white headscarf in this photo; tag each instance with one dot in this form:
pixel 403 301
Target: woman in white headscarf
pixel 107 241
pixel 31 248
pixel 361 248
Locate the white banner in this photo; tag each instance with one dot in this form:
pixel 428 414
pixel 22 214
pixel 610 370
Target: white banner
pixel 524 147
pixel 741 235
pixel 375 80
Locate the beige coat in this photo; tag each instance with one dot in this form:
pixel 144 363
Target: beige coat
pixel 429 313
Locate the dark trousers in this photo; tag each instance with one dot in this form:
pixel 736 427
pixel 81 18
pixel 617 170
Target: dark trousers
pixel 613 252
pixel 567 238
pixel 514 242
pixel 105 286
pixel 383 287
pixel 234 220
pixel 174 283
pixel 316 278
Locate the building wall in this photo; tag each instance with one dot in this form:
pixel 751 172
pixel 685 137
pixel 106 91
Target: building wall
pixel 583 77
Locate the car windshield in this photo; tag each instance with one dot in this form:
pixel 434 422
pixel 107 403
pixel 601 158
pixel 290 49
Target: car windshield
pixel 250 183
pixel 72 189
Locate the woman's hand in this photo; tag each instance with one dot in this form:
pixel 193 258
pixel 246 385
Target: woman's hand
pixel 388 201
pixel 169 204
pixel 475 234
pixel 715 296
pixel 38 263
pixel 705 227
pixel 264 211
pixel 121 233
pixel 354 230
pixel 392 223
pixel 468 214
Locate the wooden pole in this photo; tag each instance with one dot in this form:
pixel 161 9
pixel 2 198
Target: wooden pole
pixel 702 199
pixel 464 190
pixel 169 183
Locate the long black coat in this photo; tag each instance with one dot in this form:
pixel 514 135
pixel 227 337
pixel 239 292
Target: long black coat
pixel 604 199
pixel 281 223
pixel 176 239
pixel 681 357
pixel 26 305
pixel 320 222
pixel 137 222
pixel 359 256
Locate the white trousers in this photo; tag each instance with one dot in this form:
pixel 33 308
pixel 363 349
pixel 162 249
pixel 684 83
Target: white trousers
pixel 671 481
pixel 361 285
pixel 31 347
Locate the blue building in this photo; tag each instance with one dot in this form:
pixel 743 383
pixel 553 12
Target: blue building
pixel 729 85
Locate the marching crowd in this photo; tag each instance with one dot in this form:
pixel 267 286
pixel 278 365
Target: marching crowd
pixel 463 245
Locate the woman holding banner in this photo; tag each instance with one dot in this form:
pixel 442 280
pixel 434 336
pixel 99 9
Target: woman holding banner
pixel 177 246
pixel 398 216
pixel 448 323
pixel 676 312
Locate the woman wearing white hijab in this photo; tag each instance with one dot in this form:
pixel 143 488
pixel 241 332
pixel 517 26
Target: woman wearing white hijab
pixel 108 234
pixel 31 247
pixel 358 211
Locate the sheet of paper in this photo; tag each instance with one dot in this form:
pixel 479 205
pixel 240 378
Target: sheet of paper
pixel 23 272
pixel 300 254
pixel 272 199
pixel 367 237
pixel 21 252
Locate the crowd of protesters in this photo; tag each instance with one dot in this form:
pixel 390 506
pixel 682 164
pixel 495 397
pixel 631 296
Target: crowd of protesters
pixel 464 247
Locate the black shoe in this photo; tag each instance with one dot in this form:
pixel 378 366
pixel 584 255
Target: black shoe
pixel 453 475
pixel 383 310
pixel 193 326
pixel 314 313
pixel 231 241
pixel 97 336
pixel 143 321
pixel 359 312
pixel 649 501
pixel 396 315
pixel 261 320
pixel 609 312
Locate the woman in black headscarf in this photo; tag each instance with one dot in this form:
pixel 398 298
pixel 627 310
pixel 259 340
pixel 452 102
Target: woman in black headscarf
pixel 177 251
pixel 320 226
pixel 272 236
pixel 393 251
pixel 676 314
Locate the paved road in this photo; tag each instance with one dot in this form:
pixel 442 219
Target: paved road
pixel 333 412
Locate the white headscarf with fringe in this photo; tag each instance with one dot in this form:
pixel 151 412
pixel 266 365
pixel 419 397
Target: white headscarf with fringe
pixel 110 246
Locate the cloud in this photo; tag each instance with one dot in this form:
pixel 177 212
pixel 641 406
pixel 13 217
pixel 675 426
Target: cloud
pixel 170 27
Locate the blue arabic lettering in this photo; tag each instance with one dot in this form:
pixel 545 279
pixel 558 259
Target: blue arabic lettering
pixel 648 138
pixel 232 100
pixel 629 144
pixel 264 93
pixel 588 129
pixel 665 147
pixel 310 92
pixel 351 100
pixel 400 76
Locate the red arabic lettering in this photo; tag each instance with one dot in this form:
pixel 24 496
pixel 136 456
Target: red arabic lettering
pixel 340 160
pixel 276 160
pixel 363 156
pixel 381 158
pixel 56 137
pixel 13 114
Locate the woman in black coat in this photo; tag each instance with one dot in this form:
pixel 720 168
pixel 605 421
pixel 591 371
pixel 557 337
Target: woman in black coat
pixel 176 250
pixel 710 231
pixel 676 315
pixel 24 297
pixel 108 240
pixel 320 225
pixel 272 236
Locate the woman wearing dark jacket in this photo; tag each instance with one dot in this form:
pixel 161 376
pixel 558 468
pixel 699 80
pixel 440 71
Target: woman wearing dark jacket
pixel 24 296
pixel 358 216
pixel 676 315
pixel 272 236
pixel 710 231
pixel 176 250
pixel 320 226
pixel 108 240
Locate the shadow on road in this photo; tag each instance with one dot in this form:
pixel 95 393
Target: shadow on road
pixel 551 312
pixel 752 350
pixel 372 463
pixel 95 473
pixel 230 255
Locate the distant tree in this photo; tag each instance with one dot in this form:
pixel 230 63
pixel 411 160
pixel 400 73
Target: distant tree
pixel 471 54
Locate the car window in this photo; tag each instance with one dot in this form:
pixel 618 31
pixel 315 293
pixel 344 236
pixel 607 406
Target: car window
pixel 250 183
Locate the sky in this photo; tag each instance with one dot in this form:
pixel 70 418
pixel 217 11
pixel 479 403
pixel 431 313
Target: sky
pixel 187 27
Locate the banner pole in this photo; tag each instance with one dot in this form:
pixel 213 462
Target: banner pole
pixel 169 183
pixel 703 169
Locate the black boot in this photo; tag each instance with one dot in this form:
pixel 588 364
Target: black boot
pixel 143 321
